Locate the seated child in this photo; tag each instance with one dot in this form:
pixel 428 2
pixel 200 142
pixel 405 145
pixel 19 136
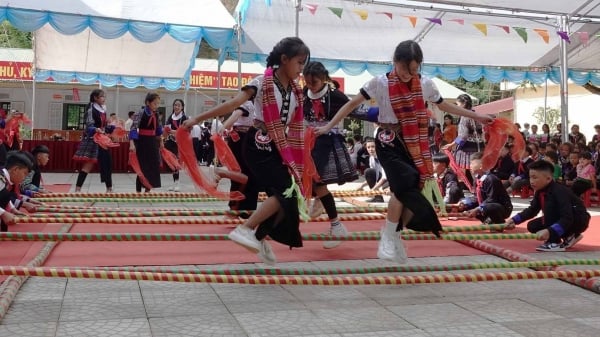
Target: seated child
pixel 375 175
pixel 586 175
pixel 446 179
pixel 520 177
pixel 570 169
pixel 564 215
pixel 16 169
pixel 505 166
pixel 33 182
pixel 494 204
pixel 552 157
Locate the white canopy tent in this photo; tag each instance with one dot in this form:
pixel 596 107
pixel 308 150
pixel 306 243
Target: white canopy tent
pixel 512 40
pixel 460 38
pixel 149 43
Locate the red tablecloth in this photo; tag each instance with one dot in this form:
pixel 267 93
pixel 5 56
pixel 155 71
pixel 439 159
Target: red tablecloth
pixel 61 155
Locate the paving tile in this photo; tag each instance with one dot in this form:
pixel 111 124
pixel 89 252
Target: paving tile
pixel 33 311
pixel 568 306
pixel 47 329
pixel 98 288
pixel 283 323
pixel 552 328
pixel 42 288
pixel 435 315
pixel 105 328
pixel 361 319
pixel 591 321
pixel 101 308
pixel 178 305
pixel 394 333
pixel 473 330
pixel 213 325
pixel 341 304
pixel 265 306
pixel 396 295
pixel 507 310
pixel 308 293
pixel 235 293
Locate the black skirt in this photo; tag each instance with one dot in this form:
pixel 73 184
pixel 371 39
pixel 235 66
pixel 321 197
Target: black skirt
pixel 403 177
pixel 237 142
pixel 272 176
pixel 146 148
pixel 171 145
pixel 333 160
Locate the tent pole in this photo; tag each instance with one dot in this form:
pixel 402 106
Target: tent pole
pixel 219 80
pixel 564 80
pixel 545 101
pixel 298 9
pixel 238 30
pixel 117 102
pixel 33 88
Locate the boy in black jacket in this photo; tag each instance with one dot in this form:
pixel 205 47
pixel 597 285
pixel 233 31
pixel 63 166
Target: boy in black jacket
pixel 446 179
pixel 493 200
pixel 17 167
pixel 564 215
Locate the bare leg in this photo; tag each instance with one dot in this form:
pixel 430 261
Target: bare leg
pixel 266 210
pixel 395 208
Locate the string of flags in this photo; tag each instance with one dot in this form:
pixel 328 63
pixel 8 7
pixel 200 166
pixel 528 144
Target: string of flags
pixel 583 37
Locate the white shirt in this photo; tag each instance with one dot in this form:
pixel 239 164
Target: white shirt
pixel 128 124
pixel 196 131
pixel 258 112
pixel 374 164
pixel 378 89
pixel 246 121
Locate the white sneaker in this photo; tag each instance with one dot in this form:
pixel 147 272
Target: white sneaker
pixel 401 256
pixel 391 248
pixel 266 254
pixel 175 188
pixel 335 230
pixel 245 237
pixel 316 208
pixel 387 246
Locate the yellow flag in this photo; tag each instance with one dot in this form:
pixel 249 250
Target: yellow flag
pixel 362 13
pixel 482 27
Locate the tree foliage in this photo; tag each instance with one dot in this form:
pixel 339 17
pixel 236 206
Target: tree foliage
pixel 10 37
pixel 484 90
pixel 551 117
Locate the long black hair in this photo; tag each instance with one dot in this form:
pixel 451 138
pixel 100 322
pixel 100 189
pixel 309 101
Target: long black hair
pixel 290 47
pixel 94 95
pixel 408 51
pixel 466 100
pixel 182 104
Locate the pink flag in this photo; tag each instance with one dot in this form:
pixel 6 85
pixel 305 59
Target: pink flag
pixel 584 38
pixel 311 8
pixel 75 94
pixel 388 14
pixel 459 21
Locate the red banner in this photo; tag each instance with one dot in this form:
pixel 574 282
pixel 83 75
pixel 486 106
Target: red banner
pixel 198 79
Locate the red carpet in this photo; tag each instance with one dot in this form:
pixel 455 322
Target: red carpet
pixel 226 252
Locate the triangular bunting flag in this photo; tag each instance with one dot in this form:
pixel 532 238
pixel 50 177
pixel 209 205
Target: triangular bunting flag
pixel 311 8
pixel 522 33
pixel 505 28
pixel 459 21
pixel 482 27
pixel 543 33
pixel 388 14
pixel 362 13
pixel 413 20
pixel 584 38
pixel 564 36
pixel 337 11
pixel 435 20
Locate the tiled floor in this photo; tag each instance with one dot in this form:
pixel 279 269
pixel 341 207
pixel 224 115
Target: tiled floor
pixel 84 307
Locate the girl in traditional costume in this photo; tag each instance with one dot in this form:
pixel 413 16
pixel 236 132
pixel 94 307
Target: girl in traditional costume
pixel 331 157
pixel 88 151
pixel 273 148
pixel 144 140
pixel 402 144
pixel 173 122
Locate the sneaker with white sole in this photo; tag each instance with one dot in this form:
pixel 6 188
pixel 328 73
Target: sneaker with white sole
pixel 245 237
pixel 387 246
pixel 550 247
pixel 266 254
pixel 316 208
pixel 401 256
pixel 571 240
pixel 335 230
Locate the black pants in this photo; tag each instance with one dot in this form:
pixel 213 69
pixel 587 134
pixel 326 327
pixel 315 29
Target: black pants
pixel 581 222
pixel 372 177
pixel 496 213
pixel 580 186
pixel 105 165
